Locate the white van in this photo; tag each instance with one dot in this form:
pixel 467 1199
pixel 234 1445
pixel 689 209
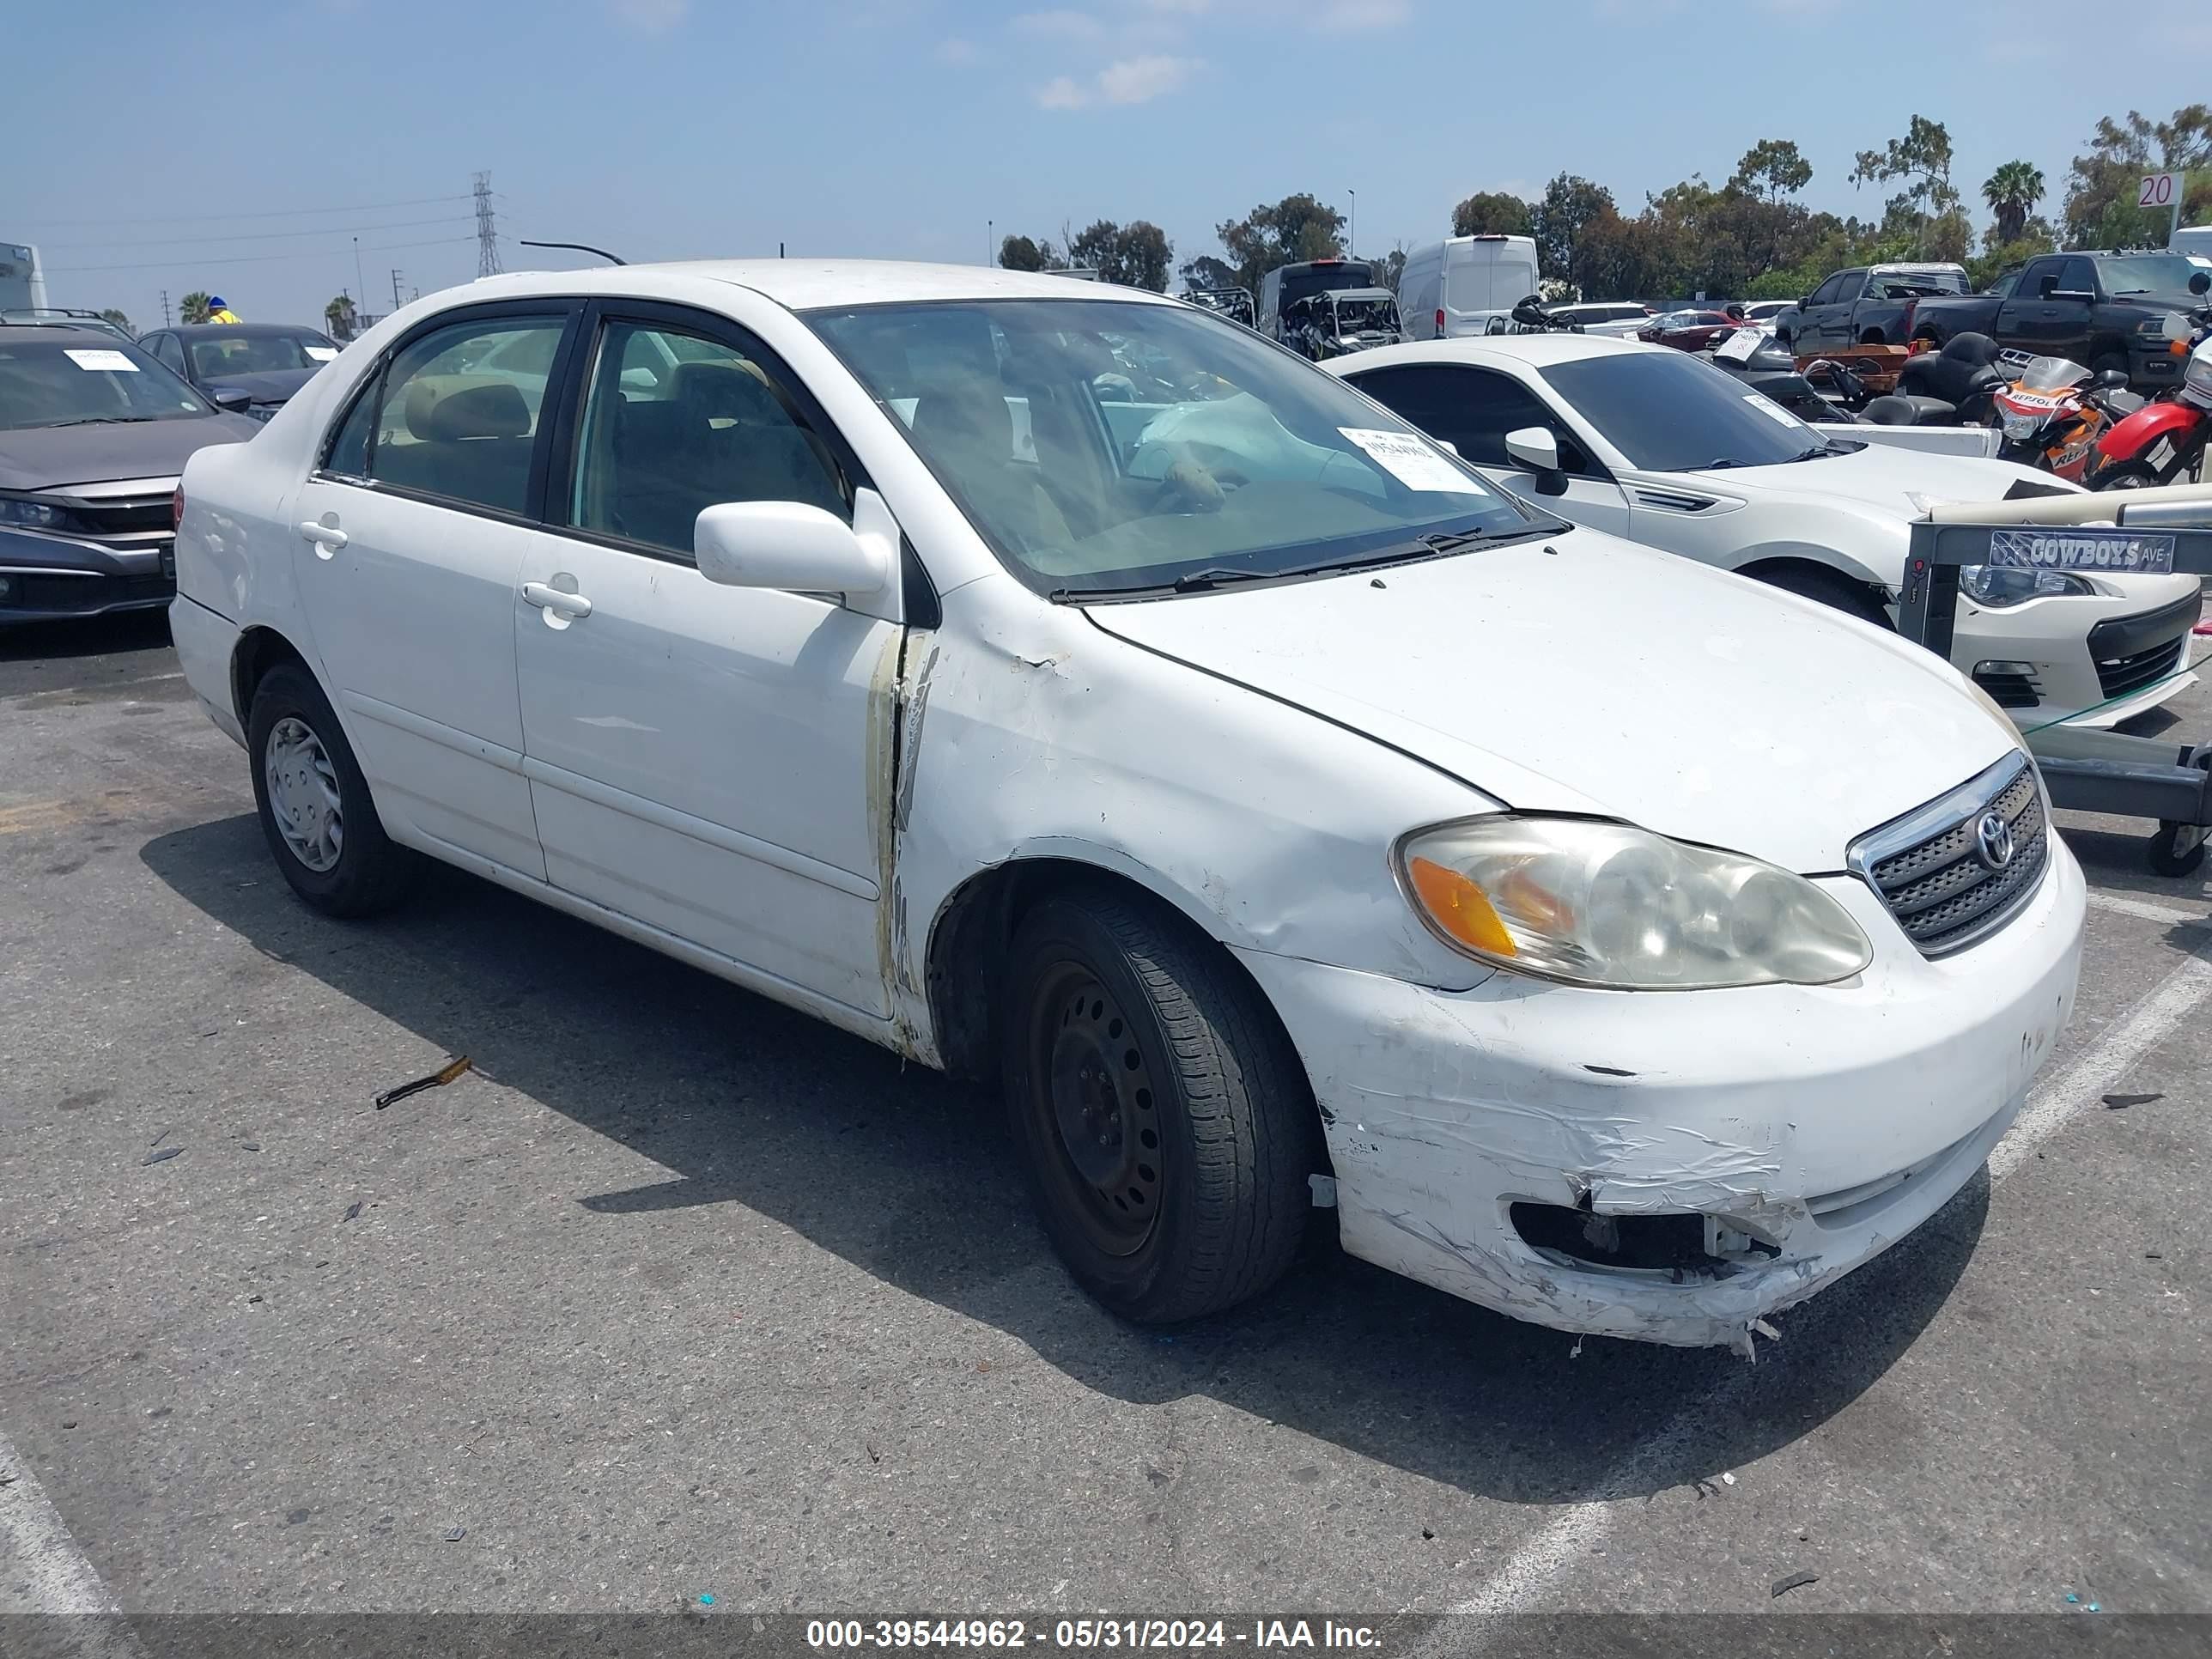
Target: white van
pixel 1455 287
pixel 2192 238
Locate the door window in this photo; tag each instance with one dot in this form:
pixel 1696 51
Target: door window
pixel 676 423
pixel 1470 409
pixel 454 413
pixel 2077 276
pixel 1827 292
pixel 168 353
pixel 2031 280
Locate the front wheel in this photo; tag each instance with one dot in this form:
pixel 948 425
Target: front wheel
pixel 1164 1120
pixel 1828 587
pixel 315 810
pixel 2136 474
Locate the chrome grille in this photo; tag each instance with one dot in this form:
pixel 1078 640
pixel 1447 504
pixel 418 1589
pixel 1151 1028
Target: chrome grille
pixel 1931 868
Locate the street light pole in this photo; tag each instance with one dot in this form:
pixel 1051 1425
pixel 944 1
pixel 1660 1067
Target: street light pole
pixel 1354 249
pixel 990 242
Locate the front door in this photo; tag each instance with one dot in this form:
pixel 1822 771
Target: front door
pixel 713 762
pixel 412 536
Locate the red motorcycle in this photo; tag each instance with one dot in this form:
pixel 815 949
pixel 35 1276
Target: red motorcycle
pixel 2052 411
pixel 2162 442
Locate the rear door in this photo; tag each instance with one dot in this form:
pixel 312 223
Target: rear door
pixel 413 530
pixel 1473 409
pixel 713 762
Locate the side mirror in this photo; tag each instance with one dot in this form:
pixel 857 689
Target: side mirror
pixel 1537 449
pixel 787 546
pixel 2109 377
pixel 2201 282
pixel 2048 288
pixel 232 399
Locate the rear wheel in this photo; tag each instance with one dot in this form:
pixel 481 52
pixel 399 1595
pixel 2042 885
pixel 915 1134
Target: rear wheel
pixel 316 814
pixel 2136 474
pixel 1164 1120
pixel 2110 361
pixel 1827 588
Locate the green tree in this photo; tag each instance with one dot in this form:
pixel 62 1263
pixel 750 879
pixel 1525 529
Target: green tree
pixel 1569 204
pixel 1296 229
pixel 1493 213
pixel 339 314
pixel 1135 255
pixel 1773 167
pixel 1020 254
pixel 111 315
pixel 1922 159
pixel 1207 271
pixel 2012 192
pixel 2100 208
pixel 193 307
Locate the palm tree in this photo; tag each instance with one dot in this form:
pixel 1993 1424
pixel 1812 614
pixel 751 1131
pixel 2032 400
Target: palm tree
pixel 193 307
pixel 2012 192
pixel 339 314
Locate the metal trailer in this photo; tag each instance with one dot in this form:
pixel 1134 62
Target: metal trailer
pixel 2136 530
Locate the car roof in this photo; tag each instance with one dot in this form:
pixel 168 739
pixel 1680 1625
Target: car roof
pixel 195 331
pixel 54 334
pixel 813 284
pixel 1497 350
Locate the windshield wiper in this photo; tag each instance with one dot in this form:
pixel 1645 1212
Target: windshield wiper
pixel 1818 451
pixel 1723 464
pixel 95 419
pixel 1213 576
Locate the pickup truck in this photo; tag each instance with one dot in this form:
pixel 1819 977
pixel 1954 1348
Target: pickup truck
pixel 1867 305
pixel 2101 310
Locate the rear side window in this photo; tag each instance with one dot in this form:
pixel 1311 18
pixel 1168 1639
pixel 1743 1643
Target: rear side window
pixel 455 413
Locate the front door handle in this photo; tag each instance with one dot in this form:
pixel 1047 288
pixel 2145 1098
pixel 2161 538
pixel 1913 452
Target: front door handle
pixel 327 538
pixel 560 604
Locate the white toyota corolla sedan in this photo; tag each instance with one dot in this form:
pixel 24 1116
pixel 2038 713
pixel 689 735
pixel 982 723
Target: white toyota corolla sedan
pixel 1285 817
pixel 1650 443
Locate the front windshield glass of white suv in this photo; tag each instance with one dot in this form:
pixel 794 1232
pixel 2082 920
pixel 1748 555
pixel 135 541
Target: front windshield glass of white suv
pixel 1667 412
pixel 1104 447
pixel 89 379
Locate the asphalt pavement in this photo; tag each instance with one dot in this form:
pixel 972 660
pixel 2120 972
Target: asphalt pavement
pixel 677 1293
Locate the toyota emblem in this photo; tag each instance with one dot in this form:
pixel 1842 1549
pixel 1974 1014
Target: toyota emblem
pixel 1994 835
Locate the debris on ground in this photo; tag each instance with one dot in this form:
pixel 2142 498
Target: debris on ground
pixel 1795 1581
pixel 249 1146
pixel 160 1156
pixel 706 1598
pixel 159 1139
pixel 353 1210
pixel 2121 1102
pixel 1727 1479
pixel 454 1535
pixel 437 1079
pixel 874 1456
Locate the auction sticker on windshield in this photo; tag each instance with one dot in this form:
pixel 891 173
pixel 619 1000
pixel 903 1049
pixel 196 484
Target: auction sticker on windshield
pixel 97 359
pixel 321 354
pixel 1772 410
pixel 1409 459
pixel 2082 550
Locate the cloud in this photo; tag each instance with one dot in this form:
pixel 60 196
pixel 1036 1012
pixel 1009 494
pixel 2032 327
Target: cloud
pixel 1125 80
pixel 1344 16
pixel 650 16
pixel 955 50
pixel 1059 25
pixel 1141 80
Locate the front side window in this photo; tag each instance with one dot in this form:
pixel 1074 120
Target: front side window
pixel 259 352
pixel 2078 277
pixel 1102 446
pixel 456 412
pixel 89 379
pixel 1470 409
pixel 1667 412
pixel 675 424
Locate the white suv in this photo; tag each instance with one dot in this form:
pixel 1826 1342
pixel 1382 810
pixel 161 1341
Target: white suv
pixel 1065 686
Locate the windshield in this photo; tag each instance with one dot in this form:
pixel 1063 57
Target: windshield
pixel 1363 315
pixel 1300 281
pixel 2051 374
pixel 1230 459
pixel 2147 273
pixel 73 381
pixel 1904 284
pixel 258 352
pixel 1667 412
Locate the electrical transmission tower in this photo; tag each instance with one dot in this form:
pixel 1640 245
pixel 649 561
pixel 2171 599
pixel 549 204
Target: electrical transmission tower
pixel 487 235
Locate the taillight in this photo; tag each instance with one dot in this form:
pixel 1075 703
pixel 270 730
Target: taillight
pixel 176 509
pixel 1440 322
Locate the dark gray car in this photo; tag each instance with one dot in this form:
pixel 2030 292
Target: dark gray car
pixel 93 434
pixel 268 361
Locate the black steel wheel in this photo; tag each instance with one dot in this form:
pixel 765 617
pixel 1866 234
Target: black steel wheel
pixel 1164 1123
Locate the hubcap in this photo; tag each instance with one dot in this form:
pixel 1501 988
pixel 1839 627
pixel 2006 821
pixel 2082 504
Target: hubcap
pixel 303 794
pixel 1102 1104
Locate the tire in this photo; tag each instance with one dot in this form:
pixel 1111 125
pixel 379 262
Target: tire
pixel 1872 337
pixel 1131 1043
pixel 294 733
pixel 2166 861
pixel 2134 475
pixel 1826 588
pixel 2110 360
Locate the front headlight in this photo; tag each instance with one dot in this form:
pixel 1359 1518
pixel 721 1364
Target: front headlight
pixel 2023 426
pixel 1997 586
pixel 1614 907
pixel 33 515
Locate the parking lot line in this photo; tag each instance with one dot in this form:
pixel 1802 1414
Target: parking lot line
pixel 42 1570
pixel 1539 1561
pixel 2144 910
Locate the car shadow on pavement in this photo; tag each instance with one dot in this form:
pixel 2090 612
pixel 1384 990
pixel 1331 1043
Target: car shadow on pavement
pixel 910 1178
pixel 93 636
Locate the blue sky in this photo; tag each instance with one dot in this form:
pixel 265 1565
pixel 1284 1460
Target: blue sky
pixel 189 154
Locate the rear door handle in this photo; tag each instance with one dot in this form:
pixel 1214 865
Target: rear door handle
pixel 553 599
pixel 323 535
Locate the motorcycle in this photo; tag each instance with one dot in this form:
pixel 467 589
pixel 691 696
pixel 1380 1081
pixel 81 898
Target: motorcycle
pixel 2052 413
pixel 1530 317
pixel 2162 442
pixel 1955 387
pixel 1821 391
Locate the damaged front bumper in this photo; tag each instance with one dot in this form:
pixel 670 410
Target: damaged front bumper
pixel 1674 1166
